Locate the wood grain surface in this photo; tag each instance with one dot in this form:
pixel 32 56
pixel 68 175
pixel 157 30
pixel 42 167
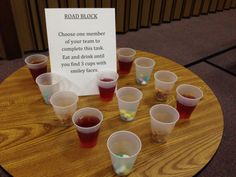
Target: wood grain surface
pixel 34 144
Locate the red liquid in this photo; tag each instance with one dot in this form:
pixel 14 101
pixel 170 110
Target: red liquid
pixel 36 72
pixel 185 111
pixel 88 139
pixel 106 94
pixel 125 67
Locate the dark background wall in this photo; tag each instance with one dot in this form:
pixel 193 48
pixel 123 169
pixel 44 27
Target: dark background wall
pixel 23 27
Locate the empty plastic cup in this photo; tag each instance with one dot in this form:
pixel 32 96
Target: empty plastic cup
pixel 49 83
pixel 64 104
pixel 144 67
pixel 128 102
pixel 107 81
pixel 187 98
pixel 164 83
pixel 125 58
pixel 124 147
pixel 163 119
pixel 87 122
pixel 37 64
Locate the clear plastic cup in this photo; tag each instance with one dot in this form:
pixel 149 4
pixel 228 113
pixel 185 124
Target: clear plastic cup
pixel 164 83
pixel 49 83
pixel 64 104
pixel 124 147
pixel 187 98
pixel 128 102
pixel 163 119
pixel 87 122
pixel 125 58
pixel 107 81
pixel 144 67
pixel 37 64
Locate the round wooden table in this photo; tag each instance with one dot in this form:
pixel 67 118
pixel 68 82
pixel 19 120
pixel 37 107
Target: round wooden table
pixel 34 144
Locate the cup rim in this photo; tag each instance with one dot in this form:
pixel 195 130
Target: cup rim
pixel 126 48
pixel 139 91
pixel 35 55
pixel 129 132
pixel 165 105
pixel 64 107
pixel 44 74
pixel 104 71
pixel 146 58
pixel 192 86
pixel 87 128
pixel 166 71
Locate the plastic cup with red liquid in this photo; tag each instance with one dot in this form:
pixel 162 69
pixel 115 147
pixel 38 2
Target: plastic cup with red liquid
pixel 163 120
pixel 164 83
pixel 124 147
pixel 187 98
pixel 37 64
pixel 64 104
pixel 87 122
pixel 125 59
pixel 107 81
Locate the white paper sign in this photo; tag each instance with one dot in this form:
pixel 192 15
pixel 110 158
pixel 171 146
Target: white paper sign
pixel 81 42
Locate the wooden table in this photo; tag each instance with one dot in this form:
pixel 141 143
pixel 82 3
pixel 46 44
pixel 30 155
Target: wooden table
pixel 34 144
